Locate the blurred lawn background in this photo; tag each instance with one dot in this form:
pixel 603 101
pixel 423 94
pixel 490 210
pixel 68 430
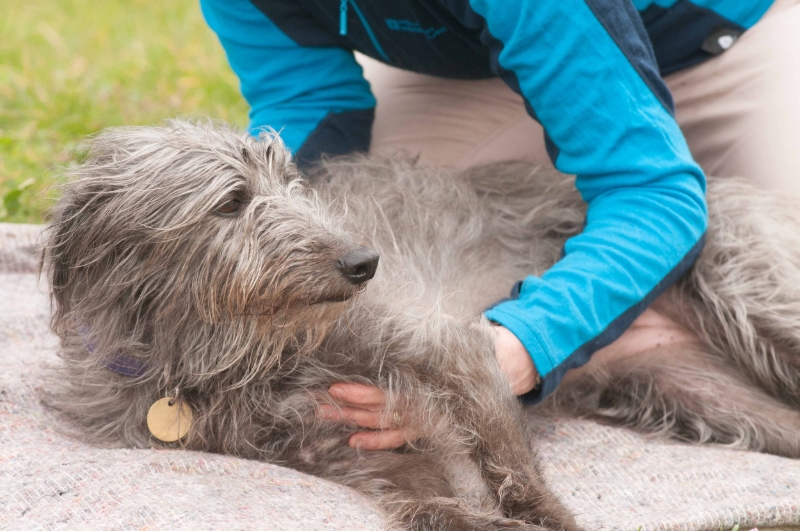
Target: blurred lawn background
pixel 71 67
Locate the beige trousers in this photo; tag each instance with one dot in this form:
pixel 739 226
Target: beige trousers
pixel 740 111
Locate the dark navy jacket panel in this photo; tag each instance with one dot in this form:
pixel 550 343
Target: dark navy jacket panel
pixel 679 29
pixel 678 34
pixel 299 24
pixel 425 37
pixel 419 36
pixel 337 134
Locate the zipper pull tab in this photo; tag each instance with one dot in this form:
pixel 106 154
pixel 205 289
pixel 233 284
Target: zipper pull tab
pixel 343 17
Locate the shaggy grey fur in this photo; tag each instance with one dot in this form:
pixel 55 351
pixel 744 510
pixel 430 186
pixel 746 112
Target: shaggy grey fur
pixel 248 317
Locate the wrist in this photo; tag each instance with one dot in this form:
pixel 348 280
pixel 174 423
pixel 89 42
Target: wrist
pixel 515 362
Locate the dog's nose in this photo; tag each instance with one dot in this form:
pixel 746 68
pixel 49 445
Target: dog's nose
pixel 358 265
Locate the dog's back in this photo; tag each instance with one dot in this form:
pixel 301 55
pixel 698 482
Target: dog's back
pixel 453 241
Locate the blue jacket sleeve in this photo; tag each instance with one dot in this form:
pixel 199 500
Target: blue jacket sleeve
pixel 588 75
pixel 316 97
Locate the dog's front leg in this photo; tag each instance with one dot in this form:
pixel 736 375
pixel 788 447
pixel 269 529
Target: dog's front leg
pixel 485 408
pixel 444 375
pixel 413 490
pixel 411 486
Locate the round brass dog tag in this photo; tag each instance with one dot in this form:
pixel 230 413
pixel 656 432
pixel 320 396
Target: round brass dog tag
pixel 169 419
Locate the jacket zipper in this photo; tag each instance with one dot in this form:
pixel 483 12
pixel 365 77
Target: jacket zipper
pixel 343 17
pixel 343 25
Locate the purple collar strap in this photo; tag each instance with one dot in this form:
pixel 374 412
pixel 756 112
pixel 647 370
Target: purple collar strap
pixel 120 363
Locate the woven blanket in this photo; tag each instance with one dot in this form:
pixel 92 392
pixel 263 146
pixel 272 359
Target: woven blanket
pixel 610 478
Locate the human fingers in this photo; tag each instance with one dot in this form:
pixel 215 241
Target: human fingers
pixel 380 440
pixel 358 395
pixel 374 420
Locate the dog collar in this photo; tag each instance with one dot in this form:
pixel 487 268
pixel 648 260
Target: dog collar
pixel 120 363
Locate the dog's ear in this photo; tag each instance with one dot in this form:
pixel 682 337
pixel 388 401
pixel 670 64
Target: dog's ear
pixel 66 243
pixel 72 234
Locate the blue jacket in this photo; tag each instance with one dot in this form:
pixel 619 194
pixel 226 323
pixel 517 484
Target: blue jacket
pixel 588 73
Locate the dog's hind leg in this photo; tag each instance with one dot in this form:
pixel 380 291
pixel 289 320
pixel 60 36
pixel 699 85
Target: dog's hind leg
pixel 687 393
pixel 743 294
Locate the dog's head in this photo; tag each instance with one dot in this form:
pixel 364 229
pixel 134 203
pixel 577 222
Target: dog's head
pixel 196 229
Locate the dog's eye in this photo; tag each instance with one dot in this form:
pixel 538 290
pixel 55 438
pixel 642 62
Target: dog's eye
pixel 229 208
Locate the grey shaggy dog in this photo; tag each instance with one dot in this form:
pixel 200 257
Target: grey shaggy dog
pixel 201 252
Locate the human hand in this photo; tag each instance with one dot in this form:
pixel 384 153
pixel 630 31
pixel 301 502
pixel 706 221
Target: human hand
pixel 364 405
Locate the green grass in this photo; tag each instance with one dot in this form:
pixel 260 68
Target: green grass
pixel 69 68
